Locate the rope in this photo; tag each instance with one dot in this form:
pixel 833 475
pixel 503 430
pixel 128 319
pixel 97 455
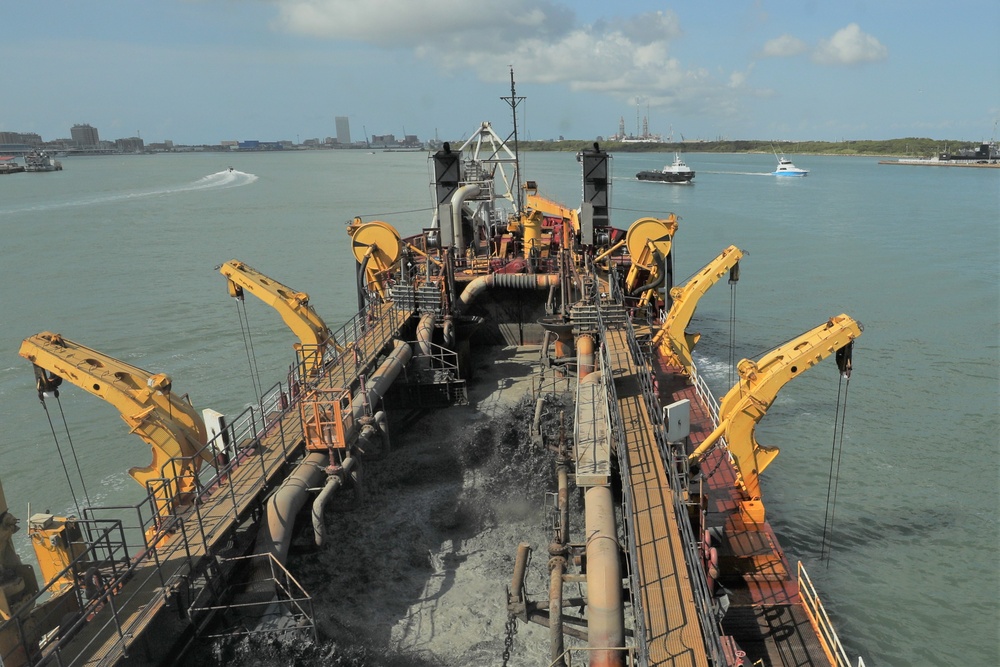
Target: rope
pixel 62 460
pixel 386 215
pixel 248 346
pixel 833 480
pixel 72 449
pixel 732 334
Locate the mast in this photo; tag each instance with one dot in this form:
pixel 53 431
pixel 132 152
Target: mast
pixel 513 101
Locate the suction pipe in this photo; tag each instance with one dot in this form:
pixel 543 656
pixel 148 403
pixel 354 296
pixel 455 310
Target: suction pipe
pixel 585 355
pixel 425 334
pixel 286 502
pixel 604 578
pixel 503 280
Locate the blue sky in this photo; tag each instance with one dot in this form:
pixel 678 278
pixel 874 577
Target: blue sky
pixel 203 71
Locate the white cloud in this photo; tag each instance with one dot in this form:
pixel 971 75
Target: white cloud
pixel 849 46
pixel 785 46
pixel 626 57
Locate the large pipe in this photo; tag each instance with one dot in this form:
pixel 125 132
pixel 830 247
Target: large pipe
pixel 425 335
pixel 604 578
pixel 284 505
pixel 504 280
pixel 383 377
pixel 585 355
pixel 457 204
pixel 333 482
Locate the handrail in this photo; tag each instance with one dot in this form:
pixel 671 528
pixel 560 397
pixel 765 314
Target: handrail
pixel 821 622
pixel 127 545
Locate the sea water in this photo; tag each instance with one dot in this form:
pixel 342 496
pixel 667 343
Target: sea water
pixel 890 500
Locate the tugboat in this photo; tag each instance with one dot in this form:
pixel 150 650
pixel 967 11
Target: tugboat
pixel 677 172
pixel 41 161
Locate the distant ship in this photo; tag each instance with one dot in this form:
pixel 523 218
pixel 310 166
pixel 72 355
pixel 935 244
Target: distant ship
pixel 677 172
pixel 987 155
pixel 41 161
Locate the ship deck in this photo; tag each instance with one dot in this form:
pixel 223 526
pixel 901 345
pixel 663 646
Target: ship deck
pixel 766 615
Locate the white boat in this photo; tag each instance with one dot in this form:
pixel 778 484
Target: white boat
pixel 786 168
pixel 678 172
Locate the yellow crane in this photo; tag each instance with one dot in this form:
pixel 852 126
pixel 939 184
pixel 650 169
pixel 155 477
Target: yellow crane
pixel 313 334
pixel 760 381
pixel 166 421
pixel 674 342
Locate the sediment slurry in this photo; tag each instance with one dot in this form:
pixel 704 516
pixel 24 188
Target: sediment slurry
pixel 417 567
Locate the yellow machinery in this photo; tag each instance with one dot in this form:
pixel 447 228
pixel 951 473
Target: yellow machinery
pixel 747 402
pixel 313 334
pixel 672 339
pixel 167 422
pixel 377 247
pixel 649 241
pixel 56 541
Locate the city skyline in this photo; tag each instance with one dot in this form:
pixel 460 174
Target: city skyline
pixel 204 72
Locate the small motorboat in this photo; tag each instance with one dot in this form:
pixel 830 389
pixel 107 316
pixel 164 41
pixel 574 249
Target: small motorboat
pixel 786 168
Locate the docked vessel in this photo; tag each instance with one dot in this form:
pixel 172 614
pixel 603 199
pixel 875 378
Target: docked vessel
pixel 786 168
pixel 676 172
pixel 9 166
pixel 669 559
pixel 41 161
pixel 987 156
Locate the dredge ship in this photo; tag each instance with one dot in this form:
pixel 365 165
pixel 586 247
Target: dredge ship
pixel 677 563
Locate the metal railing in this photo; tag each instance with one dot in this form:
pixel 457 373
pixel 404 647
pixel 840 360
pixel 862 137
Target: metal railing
pixel 284 591
pixel 821 622
pixel 672 463
pixel 128 546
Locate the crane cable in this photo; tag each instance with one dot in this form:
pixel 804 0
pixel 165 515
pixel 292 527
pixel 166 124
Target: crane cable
pixel 248 345
pixel 62 459
pixel 836 452
pixel 734 276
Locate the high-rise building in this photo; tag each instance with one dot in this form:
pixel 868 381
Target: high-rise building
pixel 343 131
pixel 85 136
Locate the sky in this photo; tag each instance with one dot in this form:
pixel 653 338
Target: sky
pixel 205 71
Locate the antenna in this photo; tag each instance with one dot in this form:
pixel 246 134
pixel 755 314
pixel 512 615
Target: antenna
pixel 513 101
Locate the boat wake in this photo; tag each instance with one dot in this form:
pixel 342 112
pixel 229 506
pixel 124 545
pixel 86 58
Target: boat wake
pixel 739 173
pixel 228 178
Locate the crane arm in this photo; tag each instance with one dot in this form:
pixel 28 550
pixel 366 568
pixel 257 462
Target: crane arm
pixel 747 402
pixel 672 339
pixel 536 202
pixel 294 308
pixel 167 422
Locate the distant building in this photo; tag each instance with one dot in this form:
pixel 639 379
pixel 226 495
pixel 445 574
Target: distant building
pixel 29 138
pixel 130 145
pixel 85 136
pixel 343 131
